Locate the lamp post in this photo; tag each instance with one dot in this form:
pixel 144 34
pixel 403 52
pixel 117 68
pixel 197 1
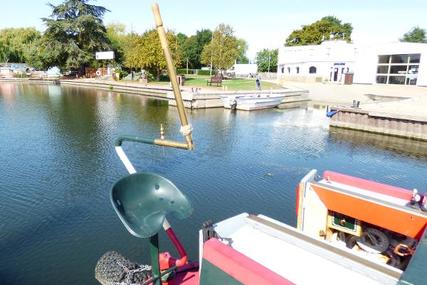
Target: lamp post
pixel 210 71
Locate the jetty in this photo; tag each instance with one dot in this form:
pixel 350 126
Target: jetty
pixel 196 99
pixel 402 118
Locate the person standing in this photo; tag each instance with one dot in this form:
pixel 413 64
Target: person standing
pixel 258 83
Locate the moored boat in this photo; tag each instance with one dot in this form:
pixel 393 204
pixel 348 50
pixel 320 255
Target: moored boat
pixel 251 102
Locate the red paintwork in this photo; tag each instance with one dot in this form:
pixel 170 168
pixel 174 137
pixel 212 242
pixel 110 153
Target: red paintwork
pixel 393 191
pixel 189 275
pixel 239 266
pixel 297 190
pixel 182 253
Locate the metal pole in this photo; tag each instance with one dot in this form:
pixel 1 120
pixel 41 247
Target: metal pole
pixel 154 252
pixel 210 71
pixel 185 127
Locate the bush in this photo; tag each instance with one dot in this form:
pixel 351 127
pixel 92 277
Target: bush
pixel 203 72
pixel 164 77
pixel 150 76
pixel 183 71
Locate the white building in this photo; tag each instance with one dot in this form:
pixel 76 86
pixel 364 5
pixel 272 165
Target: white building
pixel 394 63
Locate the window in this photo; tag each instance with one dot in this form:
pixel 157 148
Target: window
pixel 383 59
pixel 396 80
pixel 414 58
pixel 382 79
pixel 382 69
pixel 399 58
pixel 297 70
pixel 283 69
pixel 413 69
pixel 289 70
pixel 312 70
pixel 398 69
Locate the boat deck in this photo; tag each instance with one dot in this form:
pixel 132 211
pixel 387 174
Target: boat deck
pixel 298 257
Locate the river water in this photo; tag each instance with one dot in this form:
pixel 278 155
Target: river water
pixel 58 165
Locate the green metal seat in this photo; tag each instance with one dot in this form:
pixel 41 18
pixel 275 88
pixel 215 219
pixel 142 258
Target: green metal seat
pixel 142 201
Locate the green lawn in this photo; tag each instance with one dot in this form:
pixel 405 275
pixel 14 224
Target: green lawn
pixel 229 84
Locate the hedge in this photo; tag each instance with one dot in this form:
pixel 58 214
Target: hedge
pixel 203 72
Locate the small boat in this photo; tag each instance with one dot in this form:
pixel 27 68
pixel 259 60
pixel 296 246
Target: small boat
pixel 251 102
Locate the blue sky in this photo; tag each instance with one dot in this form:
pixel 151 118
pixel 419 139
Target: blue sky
pixel 262 23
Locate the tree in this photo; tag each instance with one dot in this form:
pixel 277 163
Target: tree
pixel 223 50
pixel 323 29
pixel 242 46
pixel 74 33
pixel 181 38
pixel 145 51
pixel 16 44
pixel 116 34
pixel 193 47
pixel 267 60
pixel 415 35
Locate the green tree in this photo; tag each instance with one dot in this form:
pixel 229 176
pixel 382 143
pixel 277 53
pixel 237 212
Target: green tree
pixel 131 49
pixel 146 52
pixel 320 30
pixel 116 33
pixel 181 38
pixel 223 50
pixel 415 35
pixel 242 46
pixel 16 44
pixel 267 60
pixel 74 33
pixel 193 47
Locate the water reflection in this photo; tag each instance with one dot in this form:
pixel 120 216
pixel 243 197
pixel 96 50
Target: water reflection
pixel 8 94
pixel 394 145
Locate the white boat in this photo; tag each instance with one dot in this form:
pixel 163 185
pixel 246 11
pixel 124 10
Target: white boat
pixel 251 102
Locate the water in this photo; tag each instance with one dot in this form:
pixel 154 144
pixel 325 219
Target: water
pixel 58 165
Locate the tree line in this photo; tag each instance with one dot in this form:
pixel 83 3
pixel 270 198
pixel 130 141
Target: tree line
pixel 75 32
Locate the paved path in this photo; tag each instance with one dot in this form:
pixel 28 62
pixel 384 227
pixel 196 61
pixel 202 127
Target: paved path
pixel 401 101
pixel 345 94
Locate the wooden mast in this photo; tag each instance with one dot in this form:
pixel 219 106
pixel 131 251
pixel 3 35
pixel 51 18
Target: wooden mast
pixel 186 128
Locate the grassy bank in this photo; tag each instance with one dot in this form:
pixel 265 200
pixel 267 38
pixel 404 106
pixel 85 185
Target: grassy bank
pixel 228 84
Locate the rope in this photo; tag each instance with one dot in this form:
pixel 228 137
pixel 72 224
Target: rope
pixel 186 130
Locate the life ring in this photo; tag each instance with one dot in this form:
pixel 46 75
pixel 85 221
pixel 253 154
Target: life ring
pixel 98 73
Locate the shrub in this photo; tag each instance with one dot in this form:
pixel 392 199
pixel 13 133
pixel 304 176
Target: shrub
pixel 164 77
pixel 203 72
pixel 183 71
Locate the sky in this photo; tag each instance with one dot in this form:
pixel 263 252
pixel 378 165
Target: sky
pixel 262 23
